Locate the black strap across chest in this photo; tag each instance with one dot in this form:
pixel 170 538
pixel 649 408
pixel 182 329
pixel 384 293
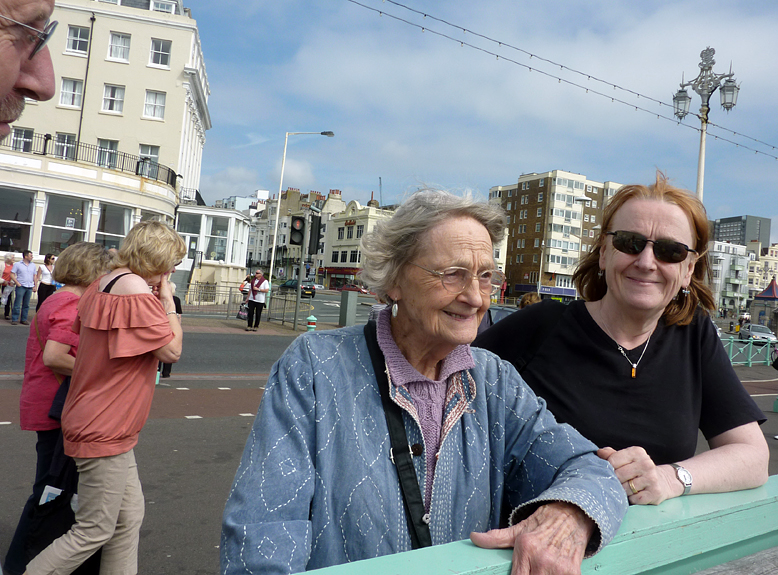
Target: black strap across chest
pixel 401 452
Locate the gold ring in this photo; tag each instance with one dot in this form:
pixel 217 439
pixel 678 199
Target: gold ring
pixel 632 487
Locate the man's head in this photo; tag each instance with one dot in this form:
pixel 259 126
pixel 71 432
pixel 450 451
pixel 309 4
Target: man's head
pixel 22 26
pixel 27 256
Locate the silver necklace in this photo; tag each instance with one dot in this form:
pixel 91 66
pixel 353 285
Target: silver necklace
pixel 634 365
pixel 624 353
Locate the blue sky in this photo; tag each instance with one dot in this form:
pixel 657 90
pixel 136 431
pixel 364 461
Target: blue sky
pixel 414 108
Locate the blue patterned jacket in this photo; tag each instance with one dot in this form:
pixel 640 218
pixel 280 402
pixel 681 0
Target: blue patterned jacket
pixel 315 486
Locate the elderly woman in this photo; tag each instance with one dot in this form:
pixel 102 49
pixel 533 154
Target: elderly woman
pixel 637 367
pixel 317 484
pixel 127 321
pixel 51 351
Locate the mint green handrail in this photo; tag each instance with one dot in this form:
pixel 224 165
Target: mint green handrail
pixel 680 536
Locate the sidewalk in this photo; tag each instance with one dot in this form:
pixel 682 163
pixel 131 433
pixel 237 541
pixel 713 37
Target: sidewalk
pixel 197 324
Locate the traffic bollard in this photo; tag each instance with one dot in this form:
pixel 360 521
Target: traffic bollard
pixel 311 323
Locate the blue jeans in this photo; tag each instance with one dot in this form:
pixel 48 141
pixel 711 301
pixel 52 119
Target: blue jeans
pixel 22 300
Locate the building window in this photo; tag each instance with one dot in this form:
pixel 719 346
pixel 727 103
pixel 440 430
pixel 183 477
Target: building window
pixel 508 206
pixel 119 47
pixel 114 223
pixel 107 151
pixel 540 212
pixel 341 231
pixel 70 93
pixel 592 220
pixel 113 98
pixel 360 231
pixel 149 161
pixel 537 242
pixel 541 181
pixel 64 223
pixel 65 146
pixel 110 1
pixel 160 53
pixel 343 256
pixel 535 258
pixel 350 233
pixel 78 39
pixel 162 6
pixel 155 105
pixel 216 231
pixel 353 259
pixel 22 139
pixel 334 257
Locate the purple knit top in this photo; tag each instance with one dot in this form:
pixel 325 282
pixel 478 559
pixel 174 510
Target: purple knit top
pixel 428 396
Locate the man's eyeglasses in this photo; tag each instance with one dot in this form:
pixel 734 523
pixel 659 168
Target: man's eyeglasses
pixel 455 280
pixel 41 36
pixel 632 243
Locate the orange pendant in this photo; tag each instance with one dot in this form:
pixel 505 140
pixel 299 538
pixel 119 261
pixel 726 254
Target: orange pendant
pixel 633 373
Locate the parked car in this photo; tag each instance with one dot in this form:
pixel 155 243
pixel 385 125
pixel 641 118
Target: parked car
pixel 757 333
pixel 318 286
pixel 307 288
pixel 494 314
pixel 354 287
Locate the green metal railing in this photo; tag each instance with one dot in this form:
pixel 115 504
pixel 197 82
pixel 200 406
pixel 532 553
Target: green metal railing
pixel 682 535
pixel 749 352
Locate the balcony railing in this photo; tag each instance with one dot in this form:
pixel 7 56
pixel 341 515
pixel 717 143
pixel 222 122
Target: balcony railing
pixel 45 145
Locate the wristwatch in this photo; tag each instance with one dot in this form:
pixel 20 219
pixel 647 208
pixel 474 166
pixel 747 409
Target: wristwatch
pixel 684 477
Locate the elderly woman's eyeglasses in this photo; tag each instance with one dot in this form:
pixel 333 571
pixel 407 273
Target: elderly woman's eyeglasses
pixel 632 243
pixel 455 279
pixel 38 36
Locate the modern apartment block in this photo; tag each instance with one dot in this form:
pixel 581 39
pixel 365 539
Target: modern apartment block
pixel 553 218
pixel 729 271
pixel 742 229
pixel 122 139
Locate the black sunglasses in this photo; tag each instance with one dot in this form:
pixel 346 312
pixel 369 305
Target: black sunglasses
pixel 632 243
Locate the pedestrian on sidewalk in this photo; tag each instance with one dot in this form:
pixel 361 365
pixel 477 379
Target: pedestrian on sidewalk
pixel 8 285
pixel 258 288
pixel 44 280
pixel 23 275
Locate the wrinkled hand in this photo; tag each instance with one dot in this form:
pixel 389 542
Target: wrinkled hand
pixel 653 483
pixel 551 541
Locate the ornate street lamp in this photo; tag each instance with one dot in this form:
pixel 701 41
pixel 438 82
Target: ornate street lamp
pixel 705 84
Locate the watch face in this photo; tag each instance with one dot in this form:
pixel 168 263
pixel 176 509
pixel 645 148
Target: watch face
pixel 684 476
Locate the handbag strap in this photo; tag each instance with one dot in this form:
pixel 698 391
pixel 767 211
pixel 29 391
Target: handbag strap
pixel 400 451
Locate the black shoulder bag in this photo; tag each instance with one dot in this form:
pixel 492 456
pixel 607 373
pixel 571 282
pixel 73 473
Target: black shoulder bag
pixel 401 451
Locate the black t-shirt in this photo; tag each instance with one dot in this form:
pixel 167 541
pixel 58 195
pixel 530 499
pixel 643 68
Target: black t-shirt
pixel 685 380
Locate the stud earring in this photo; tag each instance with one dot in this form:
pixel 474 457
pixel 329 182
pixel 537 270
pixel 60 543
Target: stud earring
pixel 394 309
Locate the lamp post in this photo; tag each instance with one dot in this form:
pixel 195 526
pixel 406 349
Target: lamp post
pixel 278 204
pixel 705 84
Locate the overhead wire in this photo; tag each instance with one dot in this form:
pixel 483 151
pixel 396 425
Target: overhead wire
pixel 559 78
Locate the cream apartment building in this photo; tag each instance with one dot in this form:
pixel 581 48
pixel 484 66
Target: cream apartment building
pixel 122 139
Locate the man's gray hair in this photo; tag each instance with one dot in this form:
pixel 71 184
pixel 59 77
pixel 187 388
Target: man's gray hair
pixel 397 240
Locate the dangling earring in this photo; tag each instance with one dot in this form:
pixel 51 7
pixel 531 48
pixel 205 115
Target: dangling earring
pixel 600 273
pixel 685 292
pixel 394 309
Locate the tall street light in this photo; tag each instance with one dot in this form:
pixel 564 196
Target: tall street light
pixel 278 204
pixel 705 84
pixel 580 200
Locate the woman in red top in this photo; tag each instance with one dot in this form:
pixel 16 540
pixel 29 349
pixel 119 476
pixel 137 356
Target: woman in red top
pixel 51 351
pixel 127 320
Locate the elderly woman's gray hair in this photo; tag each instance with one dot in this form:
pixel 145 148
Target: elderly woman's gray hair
pixel 397 240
